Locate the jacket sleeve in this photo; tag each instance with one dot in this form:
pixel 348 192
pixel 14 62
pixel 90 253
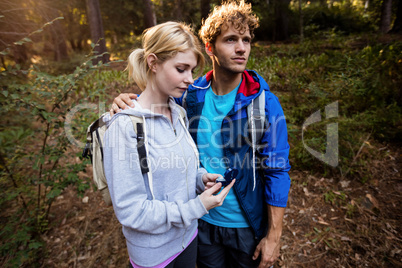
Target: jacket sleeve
pixel 129 189
pixel 275 155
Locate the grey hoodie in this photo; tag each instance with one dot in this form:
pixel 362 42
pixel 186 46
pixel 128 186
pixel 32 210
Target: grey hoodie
pixel 158 220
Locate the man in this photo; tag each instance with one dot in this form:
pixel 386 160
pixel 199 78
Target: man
pixel 245 231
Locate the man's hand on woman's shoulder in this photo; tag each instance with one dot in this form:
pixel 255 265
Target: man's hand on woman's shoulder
pixel 121 102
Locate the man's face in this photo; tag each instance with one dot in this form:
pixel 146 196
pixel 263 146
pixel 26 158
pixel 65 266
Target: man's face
pixel 231 50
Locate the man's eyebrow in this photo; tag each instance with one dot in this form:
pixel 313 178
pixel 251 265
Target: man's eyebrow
pixel 235 36
pixel 231 36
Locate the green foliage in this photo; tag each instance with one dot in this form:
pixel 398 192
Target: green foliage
pixel 363 75
pixel 346 19
pixel 335 198
pixel 325 235
pixel 35 153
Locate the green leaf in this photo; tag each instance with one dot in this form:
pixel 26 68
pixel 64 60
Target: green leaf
pixel 53 193
pixel 26 39
pixel 37 31
pixel 35 245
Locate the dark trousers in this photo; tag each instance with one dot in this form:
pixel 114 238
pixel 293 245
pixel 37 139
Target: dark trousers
pixel 186 259
pixel 220 247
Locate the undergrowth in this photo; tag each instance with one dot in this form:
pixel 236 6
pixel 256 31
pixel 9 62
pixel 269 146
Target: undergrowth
pixel 362 76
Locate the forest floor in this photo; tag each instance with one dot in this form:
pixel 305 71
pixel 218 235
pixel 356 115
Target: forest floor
pixel 329 222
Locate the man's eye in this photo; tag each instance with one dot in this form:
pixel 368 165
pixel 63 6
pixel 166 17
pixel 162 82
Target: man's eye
pixel 180 70
pixel 247 40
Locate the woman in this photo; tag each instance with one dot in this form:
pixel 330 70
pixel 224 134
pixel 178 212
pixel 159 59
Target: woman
pixel 159 213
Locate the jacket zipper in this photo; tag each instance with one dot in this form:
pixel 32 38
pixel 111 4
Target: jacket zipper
pixel 188 194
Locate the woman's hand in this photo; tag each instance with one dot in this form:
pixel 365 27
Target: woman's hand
pixel 209 179
pixel 209 200
pixel 122 102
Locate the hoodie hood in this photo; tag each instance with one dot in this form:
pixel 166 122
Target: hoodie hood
pixel 145 113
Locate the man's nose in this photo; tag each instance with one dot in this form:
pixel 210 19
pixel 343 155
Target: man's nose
pixel 240 47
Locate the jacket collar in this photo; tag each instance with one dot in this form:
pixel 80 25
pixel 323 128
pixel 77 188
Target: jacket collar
pixel 249 86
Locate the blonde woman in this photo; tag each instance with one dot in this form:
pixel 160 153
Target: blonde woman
pixel 159 213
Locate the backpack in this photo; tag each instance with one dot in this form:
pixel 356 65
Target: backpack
pixel 94 150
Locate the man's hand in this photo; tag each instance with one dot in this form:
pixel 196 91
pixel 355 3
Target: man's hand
pixel 269 246
pixel 269 249
pixel 122 102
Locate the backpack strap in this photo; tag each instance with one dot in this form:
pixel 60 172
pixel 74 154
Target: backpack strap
pixel 256 112
pixel 87 152
pixel 256 117
pixel 142 148
pixel 142 151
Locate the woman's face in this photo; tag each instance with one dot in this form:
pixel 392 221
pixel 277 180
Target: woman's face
pixel 173 76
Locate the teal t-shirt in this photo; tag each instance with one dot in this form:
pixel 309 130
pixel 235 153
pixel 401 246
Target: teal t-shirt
pixel 209 142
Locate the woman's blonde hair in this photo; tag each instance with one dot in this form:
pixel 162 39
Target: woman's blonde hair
pixel 165 41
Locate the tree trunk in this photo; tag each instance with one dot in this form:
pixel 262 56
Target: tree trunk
pixel 97 33
pixel 366 5
pixel 149 14
pixel 205 8
pixel 397 28
pixel 386 12
pixel 178 12
pixel 301 21
pixel 281 30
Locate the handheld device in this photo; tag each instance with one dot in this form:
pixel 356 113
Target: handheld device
pixel 229 175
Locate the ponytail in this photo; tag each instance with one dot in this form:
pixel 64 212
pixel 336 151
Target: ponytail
pixel 138 68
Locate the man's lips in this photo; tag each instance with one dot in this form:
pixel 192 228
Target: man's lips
pixel 239 59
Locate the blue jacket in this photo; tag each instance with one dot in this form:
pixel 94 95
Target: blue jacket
pixel 273 182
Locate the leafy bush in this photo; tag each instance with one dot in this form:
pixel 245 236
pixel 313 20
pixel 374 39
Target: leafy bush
pixel 339 18
pixel 363 75
pixel 35 154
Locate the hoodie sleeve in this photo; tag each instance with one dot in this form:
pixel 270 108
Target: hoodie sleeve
pixel 129 190
pixel 200 184
pixel 276 155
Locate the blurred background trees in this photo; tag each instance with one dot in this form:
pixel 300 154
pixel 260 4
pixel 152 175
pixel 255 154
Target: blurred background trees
pixel 114 25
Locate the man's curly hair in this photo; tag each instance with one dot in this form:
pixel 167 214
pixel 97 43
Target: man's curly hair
pixel 239 14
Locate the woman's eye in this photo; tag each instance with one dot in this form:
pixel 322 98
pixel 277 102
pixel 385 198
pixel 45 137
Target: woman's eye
pixel 180 70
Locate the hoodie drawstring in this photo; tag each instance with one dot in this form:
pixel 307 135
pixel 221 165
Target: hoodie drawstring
pixel 253 140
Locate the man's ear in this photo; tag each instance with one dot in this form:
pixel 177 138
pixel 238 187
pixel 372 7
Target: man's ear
pixel 208 49
pixel 151 61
